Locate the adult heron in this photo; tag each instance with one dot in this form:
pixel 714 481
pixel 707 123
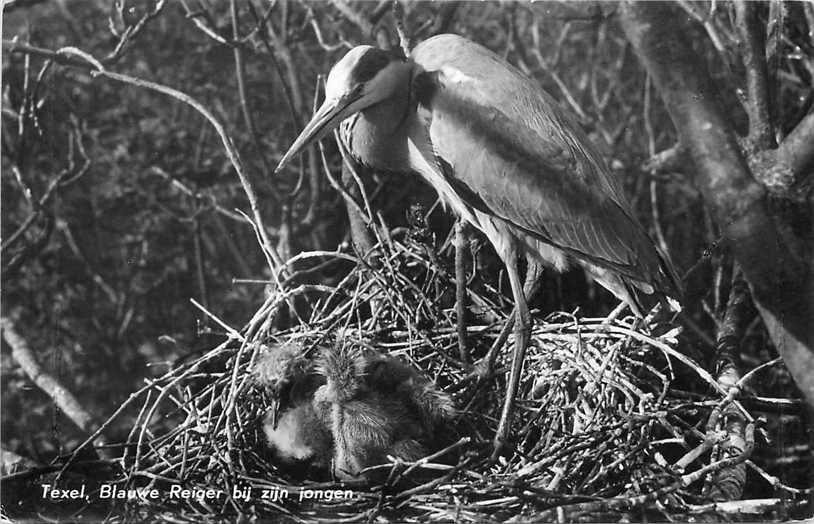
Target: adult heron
pixel 503 155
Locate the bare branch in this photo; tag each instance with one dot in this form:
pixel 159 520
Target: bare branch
pixel 753 48
pixel 727 352
pixel 131 32
pixel 401 27
pixel 62 397
pixel 199 18
pixel 797 150
pixel 231 151
pixel 242 96
pixel 359 19
pixel 673 158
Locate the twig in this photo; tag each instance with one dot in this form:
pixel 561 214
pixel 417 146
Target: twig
pixel 401 28
pixel 231 151
pixel 357 18
pixel 242 95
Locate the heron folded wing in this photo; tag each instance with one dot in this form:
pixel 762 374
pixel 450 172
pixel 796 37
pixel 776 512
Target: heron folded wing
pixel 511 150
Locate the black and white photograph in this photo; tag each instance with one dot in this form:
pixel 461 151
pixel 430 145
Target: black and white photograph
pixel 407 261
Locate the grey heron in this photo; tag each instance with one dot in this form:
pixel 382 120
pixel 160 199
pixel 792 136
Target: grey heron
pixel 504 156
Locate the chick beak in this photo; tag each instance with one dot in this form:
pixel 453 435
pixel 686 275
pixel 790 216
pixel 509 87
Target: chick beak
pixel 273 412
pixel 326 119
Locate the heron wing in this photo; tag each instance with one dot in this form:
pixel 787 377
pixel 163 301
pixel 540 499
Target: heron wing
pixel 508 148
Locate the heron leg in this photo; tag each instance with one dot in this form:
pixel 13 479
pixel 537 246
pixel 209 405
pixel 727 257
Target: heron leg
pixel 460 289
pixel 531 286
pixel 522 327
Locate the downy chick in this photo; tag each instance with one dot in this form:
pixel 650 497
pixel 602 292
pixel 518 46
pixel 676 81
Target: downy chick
pixel 389 375
pixel 294 429
pixel 375 409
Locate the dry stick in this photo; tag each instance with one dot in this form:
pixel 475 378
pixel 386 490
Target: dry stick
pixel 237 257
pixel 134 396
pixel 357 18
pixel 627 503
pixel 242 96
pixel 68 55
pixel 63 178
pixel 62 397
pixel 728 484
pixel 745 507
pixel 672 159
pixel 196 16
pixel 204 197
pixel 279 286
pixel 97 278
pixel 163 392
pixel 401 30
pixel 298 106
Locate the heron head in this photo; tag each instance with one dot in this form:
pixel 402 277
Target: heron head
pixel 362 78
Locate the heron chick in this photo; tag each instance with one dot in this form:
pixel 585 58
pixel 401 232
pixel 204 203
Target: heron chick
pixel 295 430
pixel 378 407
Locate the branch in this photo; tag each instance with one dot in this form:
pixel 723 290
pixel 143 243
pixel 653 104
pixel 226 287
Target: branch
pixel 11 463
pixel 672 159
pixel 727 484
pixel 357 18
pixel 62 397
pixel 628 503
pixel 401 27
pixel 444 18
pixel 298 108
pixel 131 32
pixel 68 175
pixel 727 351
pixel 243 97
pixel 753 48
pixel 75 57
pixel 797 150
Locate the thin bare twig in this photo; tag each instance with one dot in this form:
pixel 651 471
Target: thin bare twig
pixel 97 70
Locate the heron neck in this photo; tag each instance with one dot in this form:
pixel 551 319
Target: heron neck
pixel 378 137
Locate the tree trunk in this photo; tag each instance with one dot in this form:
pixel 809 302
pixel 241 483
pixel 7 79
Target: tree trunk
pixel 774 254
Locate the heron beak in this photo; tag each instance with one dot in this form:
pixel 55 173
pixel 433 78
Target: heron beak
pixel 274 412
pixel 326 119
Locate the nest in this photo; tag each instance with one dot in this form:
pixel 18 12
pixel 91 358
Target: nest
pixel 612 421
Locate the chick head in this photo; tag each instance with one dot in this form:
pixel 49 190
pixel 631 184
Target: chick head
pixel 280 366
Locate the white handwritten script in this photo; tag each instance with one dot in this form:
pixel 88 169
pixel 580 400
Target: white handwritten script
pixel 177 491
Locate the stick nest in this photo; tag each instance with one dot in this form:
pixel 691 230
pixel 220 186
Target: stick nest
pixel 612 421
